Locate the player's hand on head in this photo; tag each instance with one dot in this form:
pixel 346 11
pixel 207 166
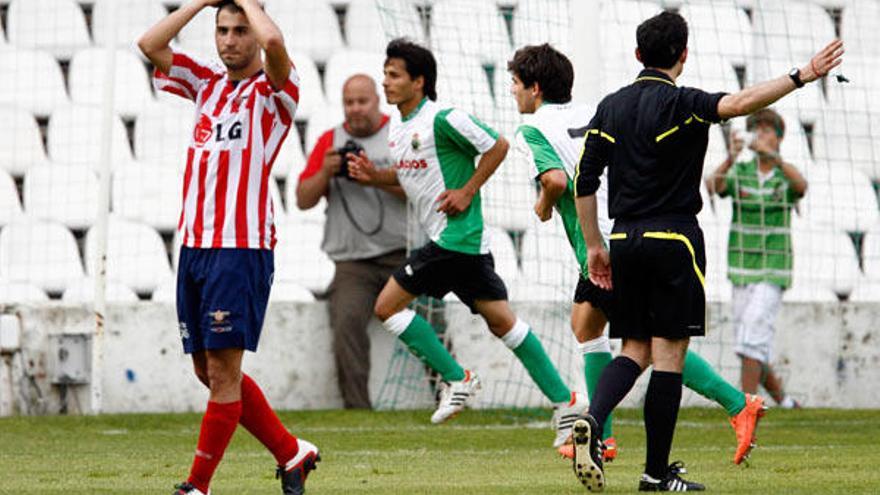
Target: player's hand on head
pixel 599 265
pixel 454 201
pixel 822 63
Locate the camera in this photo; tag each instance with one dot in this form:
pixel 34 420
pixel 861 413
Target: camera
pixel 350 146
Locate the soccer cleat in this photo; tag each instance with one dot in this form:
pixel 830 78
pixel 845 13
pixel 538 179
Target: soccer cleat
pixel 587 462
pixel 672 482
pixel 293 474
pixel 454 396
pixel 744 424
pixel 565 416
pixel 188 489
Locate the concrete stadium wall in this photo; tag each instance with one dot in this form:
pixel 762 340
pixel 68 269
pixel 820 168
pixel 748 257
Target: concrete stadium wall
pixel 828 354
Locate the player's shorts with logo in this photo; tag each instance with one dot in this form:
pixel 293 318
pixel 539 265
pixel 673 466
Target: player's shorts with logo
pixel 657 269
pixel 222 296
pixel 600 299
pixel 434 271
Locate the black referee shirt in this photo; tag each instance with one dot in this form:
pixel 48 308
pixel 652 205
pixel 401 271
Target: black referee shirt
pixel 652 135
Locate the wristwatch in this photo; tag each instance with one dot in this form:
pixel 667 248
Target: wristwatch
pixel 795 75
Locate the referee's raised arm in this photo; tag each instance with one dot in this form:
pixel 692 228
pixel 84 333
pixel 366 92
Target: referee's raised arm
pixel 156 42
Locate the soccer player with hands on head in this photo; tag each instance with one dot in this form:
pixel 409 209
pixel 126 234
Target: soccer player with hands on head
pixel 245 109
pixel 433 149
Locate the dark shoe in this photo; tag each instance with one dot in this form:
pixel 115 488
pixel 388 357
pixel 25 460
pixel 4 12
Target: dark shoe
pixel 672 482
pixel 293 474
pixel 587 462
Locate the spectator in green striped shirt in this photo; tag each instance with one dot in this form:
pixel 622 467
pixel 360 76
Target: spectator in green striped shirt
pixel 764 191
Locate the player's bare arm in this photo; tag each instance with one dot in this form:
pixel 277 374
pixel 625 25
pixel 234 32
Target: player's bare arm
pixel 553 185
pixel 155 43
pixel 760 95
pixel 363 170
pixel 270 39
pixel 455 201
pixel 598 260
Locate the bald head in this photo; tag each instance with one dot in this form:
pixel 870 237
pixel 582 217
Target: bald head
pixel 360 100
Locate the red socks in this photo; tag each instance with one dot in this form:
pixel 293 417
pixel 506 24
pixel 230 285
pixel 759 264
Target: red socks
pixel 262 422
pixel 218 425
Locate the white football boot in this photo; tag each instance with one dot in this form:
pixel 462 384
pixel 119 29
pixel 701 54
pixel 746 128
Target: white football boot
pixel 565 416
pixel 454 396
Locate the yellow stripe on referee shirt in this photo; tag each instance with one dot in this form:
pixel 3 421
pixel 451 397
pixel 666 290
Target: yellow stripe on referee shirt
pixel 673 236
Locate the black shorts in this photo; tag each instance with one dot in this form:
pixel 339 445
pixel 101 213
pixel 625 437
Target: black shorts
pixel 657 269
pixel 600 299
pixel 434 271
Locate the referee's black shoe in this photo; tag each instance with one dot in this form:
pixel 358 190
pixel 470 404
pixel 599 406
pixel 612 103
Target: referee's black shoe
pixel 672 482
pixel 587 461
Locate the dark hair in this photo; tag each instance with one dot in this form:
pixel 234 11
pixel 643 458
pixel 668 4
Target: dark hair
pixel 546 66
pixel 766 116
pixel 662 39
pixel 228 5
pixel 418 61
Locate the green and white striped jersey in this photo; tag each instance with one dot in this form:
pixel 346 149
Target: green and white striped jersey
pixel 759 246
pixel 553 138
pixel 433 150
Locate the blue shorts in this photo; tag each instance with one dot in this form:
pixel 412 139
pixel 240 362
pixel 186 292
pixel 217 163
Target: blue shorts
pixel 222 296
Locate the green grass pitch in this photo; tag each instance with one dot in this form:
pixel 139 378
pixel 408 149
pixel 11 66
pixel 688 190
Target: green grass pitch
pixel 481 452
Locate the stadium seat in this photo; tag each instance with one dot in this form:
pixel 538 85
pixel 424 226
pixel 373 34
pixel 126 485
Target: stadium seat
pixel 163 133
pixel 308 25
pixel 135 255
pixel 502 249
pixel 710 72
pixel 32 80
pixel 534 24
pixel 197 37
pixel 790 31
pixel 344 64
pixel 21 146
pixel 75 137
pixel 10 207
pixel 57 26
pixel 825 265
pixel 509 195
pixel 846 201
pixel 364 26
pixel 321 122
pixel 473 29
pixel 719 29
pixel 299 258
pixel 21 293
pixel 147 193
pixel 462 82
pixel 40 253
pixel 82 291
pixel 842 139
pixel 67 194
pixel 871 255
pixel 131 19
pixel 315 214
pixel 859 22
pixel 312 101
pixel 549 267
pixel 278 210
pixel 166 291
pixel 131 85
pixel 287 291
pixel 290 160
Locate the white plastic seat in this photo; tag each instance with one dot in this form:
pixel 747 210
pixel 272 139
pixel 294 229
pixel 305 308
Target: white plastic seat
pixel 825 264
pixel 320 123
pixel 791 31
pixel 32 80
pixel 290 160
pixel 346 63
pixel 10 207
pixel 57 26
pixel 166 291
pixel 502 249
pixel 534 23
pixel 287 291
pixel 364 24
pixel 312 101
pixel 197 37
pixel 308 25
pixel 509 195
pixel 75 134
pixel 163 133
pixel 62 193
pixel 315 214
pixel 40 253
pixel 135 255
pixel 21 293
pixel 87 74
pixel 131 18
pixel 147 193
pixel 550 270
pixel 21 146
pixel 839 139
pixel 719 28
pixel 82 291
pixel 299 258
pixel 475 29
pixel 860 33
pixel 845 201
pixel 462 82
pixel 871 254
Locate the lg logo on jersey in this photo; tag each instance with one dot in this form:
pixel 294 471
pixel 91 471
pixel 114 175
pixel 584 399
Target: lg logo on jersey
pixel 205 128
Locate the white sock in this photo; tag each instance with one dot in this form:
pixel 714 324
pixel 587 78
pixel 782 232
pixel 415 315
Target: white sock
pixel 399 322
pixel 513 338
pixel 599 344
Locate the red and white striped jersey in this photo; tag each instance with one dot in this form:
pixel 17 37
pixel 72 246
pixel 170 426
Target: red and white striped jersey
pixel 239 128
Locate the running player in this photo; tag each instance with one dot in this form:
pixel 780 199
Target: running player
pixel 552 136
pixel 434 150
pixel 245 111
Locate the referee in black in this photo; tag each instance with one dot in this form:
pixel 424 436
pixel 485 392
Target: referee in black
pixel 652 135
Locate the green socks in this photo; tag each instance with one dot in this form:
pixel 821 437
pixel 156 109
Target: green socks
pixel 597 355
pixel 699 376
pixel 530 352
pixel 422 340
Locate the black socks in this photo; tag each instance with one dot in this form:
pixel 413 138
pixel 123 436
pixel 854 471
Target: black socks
pixel 616 381
pixel 661 412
